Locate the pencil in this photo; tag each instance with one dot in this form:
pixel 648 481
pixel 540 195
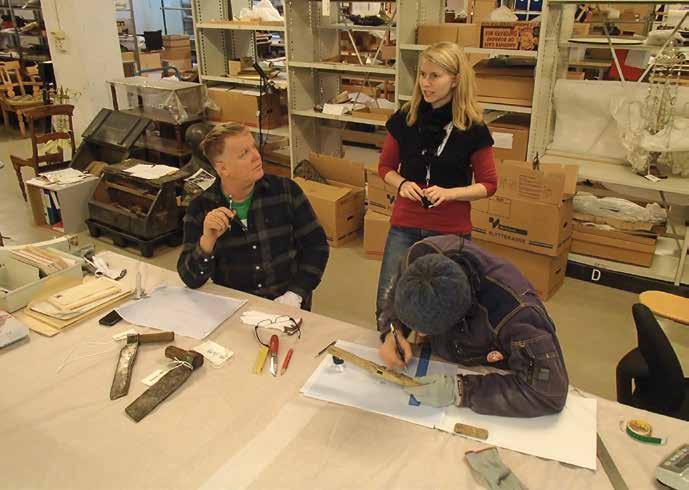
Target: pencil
pixel 285 363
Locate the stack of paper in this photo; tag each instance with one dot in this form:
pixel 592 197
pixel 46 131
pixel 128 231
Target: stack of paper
pixel 45 259
pixel 150 172
pixel 66 176
pixel 73 304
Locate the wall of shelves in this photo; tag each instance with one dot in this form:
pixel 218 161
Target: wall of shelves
pixel 670 268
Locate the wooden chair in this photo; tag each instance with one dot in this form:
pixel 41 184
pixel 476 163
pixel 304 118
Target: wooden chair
pixel 14 96
pixel 49 161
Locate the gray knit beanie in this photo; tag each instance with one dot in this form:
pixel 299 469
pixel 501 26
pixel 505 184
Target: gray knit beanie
pixel 433 294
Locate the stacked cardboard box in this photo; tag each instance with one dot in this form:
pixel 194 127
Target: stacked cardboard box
pixel 504 84
pixel 519 35
pixel 381 199
pixel 242 105
pixel 530 218
pixel 511 136
pixel 466 35
pixel 339 204
pixel 177 51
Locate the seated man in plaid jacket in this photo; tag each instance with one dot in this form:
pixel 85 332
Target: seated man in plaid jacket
pixel 251 231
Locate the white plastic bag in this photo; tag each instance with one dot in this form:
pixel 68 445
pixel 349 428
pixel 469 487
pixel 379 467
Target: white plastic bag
pixel 502 14
pixel 618 208
pixel 264 10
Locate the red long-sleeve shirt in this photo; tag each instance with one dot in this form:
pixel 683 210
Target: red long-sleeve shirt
pixel 449 217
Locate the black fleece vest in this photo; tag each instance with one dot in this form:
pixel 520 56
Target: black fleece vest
pixel 419 143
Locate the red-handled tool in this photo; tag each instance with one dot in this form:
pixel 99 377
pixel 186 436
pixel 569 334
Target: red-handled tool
pixel 274 344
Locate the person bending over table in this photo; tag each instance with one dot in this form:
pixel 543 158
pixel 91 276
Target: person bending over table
pixel 251 231
pixel 475 308
pixel 438 154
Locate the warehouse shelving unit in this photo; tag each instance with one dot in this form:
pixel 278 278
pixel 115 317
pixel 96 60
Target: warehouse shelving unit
pixel 17 8
pixel 409 53
pixel 312 38
pixel 667 271
pixel 217 43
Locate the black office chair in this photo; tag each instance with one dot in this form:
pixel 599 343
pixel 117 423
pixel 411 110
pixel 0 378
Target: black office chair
pixel 659 384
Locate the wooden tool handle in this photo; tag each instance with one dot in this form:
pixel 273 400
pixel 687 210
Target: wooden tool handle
pixel 146 338
pixel 372 367
pixel 274 344
pixel 471 431
pixel 190 356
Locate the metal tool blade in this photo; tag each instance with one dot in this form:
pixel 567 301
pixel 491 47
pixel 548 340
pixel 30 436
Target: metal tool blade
pixel 274 365
pixel 123 371
pixel 155 395
pixel 173 379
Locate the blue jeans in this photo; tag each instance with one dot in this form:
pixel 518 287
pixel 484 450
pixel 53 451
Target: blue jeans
pixel 399 241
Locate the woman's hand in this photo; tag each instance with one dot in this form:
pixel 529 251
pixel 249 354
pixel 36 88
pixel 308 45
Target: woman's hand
pixel 411 190
pixel 438 195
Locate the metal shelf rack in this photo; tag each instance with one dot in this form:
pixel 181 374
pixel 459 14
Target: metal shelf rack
pixel 556 30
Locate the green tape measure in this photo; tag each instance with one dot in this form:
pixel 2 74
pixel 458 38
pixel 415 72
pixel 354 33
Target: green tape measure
pixel 642 431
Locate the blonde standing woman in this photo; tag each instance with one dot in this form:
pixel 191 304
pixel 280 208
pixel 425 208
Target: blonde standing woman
pixel 438 155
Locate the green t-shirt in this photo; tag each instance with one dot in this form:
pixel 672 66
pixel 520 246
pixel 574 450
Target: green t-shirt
pixel 241 207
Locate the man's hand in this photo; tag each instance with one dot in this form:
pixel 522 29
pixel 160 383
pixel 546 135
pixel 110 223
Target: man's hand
pixel 388 351
pixel 290 299
pixel 436 390
pixel 215 224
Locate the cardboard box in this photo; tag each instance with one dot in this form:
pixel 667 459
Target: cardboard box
pixel 241 105
pixel 511 136
pixel 176 41
pixel 512 85
pixel 175 53
pixel 182 64
pixel 150 59
pixel 620 246
pixel 376 228
pixel 381 196
pixel 545 273
pixel 466 35
pixel 532 209
pixel 519 35
pixel 339 204
pixel 237 66
pixel 481 9
pixel 388 52
pixel 374 113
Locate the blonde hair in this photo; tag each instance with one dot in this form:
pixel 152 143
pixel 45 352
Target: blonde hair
pixel 451 58
pixel 213 144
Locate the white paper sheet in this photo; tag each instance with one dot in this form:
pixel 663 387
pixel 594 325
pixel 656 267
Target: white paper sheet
pixel 184 311
pixel 356 388
pixel 569 436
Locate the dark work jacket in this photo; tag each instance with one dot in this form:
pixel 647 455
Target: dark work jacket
pixel 507 317
pixel 418 145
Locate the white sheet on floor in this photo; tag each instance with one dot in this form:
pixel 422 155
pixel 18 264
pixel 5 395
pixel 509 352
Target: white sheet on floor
pixel 568 437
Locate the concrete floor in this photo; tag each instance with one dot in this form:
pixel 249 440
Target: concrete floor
pixel 594 322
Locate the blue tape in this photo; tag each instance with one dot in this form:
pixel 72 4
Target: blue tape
pixel 421 368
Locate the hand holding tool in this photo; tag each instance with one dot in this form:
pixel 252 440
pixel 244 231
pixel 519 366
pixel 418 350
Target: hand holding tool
pixel 125 363
pixel 274 344
pixel 398 347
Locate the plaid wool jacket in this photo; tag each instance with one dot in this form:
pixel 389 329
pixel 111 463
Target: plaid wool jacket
pixel 283 249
